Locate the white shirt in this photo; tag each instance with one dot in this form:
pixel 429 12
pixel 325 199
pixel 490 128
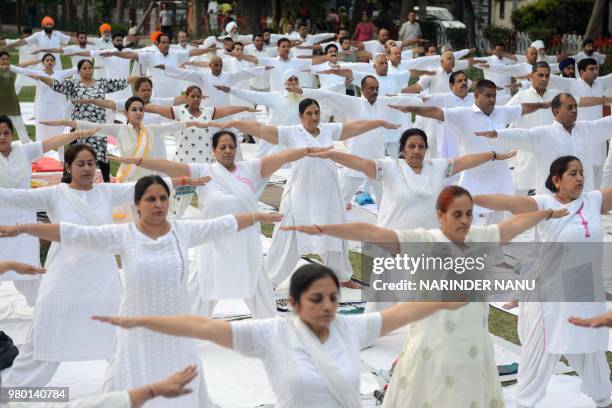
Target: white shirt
pixel 280 67
pixel 553 141
pixel 207 81
pixel 262 81
pixel 294 376
pixel 492 177
pixel 388 84
pixel 334 82
pixel 600 58
pixel 41 40
pixel 501 79
pixel 163 86
pixel 102 44
pixel 115 67
pixel 72 49
pixel 525 161
pixel 437 83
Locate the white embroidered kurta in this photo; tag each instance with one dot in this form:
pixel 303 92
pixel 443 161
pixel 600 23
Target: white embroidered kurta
pixel 280 67
pixel 24 248
pixel 294 376
pixel 155 284
pixel 41 40
pixel 409 199
pixel 550 142
pixel 222 274
pixel 560 335
pixel 78 283
pixel 448 359
pixel 312 195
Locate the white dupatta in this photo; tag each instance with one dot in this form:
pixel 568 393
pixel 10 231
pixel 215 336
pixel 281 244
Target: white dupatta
pixel 218 258
pixel 13 169
pixel 568 274
pixel 346 396
pixel 417 184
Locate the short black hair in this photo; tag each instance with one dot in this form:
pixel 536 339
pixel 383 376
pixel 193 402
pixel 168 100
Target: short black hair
pixel 115 35
pixel 81 32
pixel 8 121
pixel 451 79
pixel 3 53
pixel 330 46
pixel 342 39
pixel 365 78
pixel 237 43
pixel 258 35
pixel 584 63
pixel 485 83
pixel 587 41
pixel 282 40
pixel 556 101
pixel 302 24
pixel 540 64
pixel 159 37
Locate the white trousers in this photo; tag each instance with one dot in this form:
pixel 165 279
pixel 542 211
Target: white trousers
pixel 537 365
pixel 27 372
pixel 284 255
pixel 262 304
pixel 350 184
pixel 19 126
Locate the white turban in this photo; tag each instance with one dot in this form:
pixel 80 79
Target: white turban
pixel 289 73
pixel 538 44
pixel 230 26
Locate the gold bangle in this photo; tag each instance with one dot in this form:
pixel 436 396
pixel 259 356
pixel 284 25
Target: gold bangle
pixel 319 229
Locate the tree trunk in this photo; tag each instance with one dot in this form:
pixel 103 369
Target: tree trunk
pixel 69 11
pixel 276 13
pixel 251 17
pixel 197 27
pixel 468 9
pixel 120 7
pixel 594 29
pixel 84 16
pixel 422 10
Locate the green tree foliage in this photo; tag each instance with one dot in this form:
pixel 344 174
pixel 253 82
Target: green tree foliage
pixel 549 17
pixel 497 34
pixel 104 9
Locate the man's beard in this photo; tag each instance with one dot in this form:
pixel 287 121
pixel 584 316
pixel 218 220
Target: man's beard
pixel 119 47
pixel 48 30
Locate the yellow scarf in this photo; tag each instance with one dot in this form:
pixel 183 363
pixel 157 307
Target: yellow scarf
pixel 141 150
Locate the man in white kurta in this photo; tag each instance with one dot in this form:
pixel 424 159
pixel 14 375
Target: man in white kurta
pixel 501 79
pixel 257 49
pixel 565 136
pixel 493 177
pixel 116 67
pixel 48 38
pixel 281 64
pixel 539 91
pixel 25 55
pixel 216 76
pixel 440 136
pixel 590 84
pixel 305 49
pixel 163 86
pixel 370 145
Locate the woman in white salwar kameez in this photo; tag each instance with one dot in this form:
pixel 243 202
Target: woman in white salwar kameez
pixel 80 283
pixel 135 139
pixel 154 257
pixel 448 358
pixel 235 187
pixel 312 358
pixel 312 193
pixel 543 327
pixel 48 104
pixel 193 145
pixel 410 184
pixel 16 173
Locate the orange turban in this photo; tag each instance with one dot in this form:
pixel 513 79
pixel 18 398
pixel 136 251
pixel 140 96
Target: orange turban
pixel 46 20
pixel 105 27
pixel 155 36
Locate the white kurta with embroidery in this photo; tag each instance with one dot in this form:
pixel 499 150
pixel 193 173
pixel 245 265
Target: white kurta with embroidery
pixel 127 139
pixel 560 335
pixel 448 359
pixel 23 248
pixel 155 284
pixel 409 199
pixel 294 376
pixel 230 267
pixel 78 284
pixel 312 195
